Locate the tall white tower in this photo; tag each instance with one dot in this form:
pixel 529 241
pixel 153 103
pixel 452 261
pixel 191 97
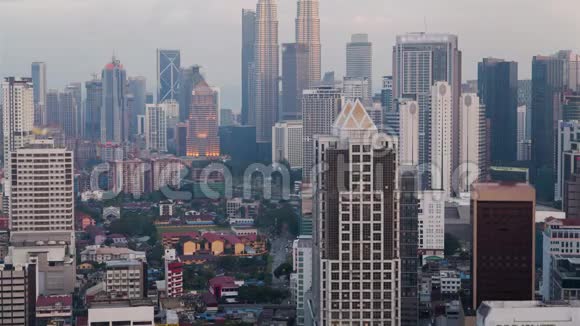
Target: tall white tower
pixel 472 147
pixel 409 132
pixel 441 137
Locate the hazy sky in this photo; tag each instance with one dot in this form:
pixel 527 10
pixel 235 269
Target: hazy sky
pixel 77 37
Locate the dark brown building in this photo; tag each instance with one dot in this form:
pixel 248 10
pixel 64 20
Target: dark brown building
pixel 503 242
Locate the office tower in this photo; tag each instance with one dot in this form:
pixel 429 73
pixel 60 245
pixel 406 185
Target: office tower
pixel 320 107
pixel 503 242
pixel 77 93
pixel 409 243
pixel 571 194
pixel 359 60
pixel 567 156
pixel 93 104
pixel 39 84
pixel 294 79
pixel 522 154
pixel 409 132
pixel 248 41
pixel 68 113
pixel 571 69
pixel 18 294
pixel 156 127
pixel 266 69
pixel 138 88
pixel 431 227
pixel 188 78
pixel 302 263
pixel 149 98
pixel 498 89
pixel 472 146
pixel 168 65
pixel 355 88
pixel 375 111
pixel 441 137
pixel 124 279
pixel 52 108
pixel 547 88
pixel 287 143
pixel 18 113
pixel 114 104
pixel 420 60
pixel 525 98
pixel 181 139
pixel 387 93
pixel 356 237
pixel 308 33
pixel 202 134
pixel 571 106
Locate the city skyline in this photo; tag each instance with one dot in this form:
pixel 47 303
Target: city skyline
pixel 340 18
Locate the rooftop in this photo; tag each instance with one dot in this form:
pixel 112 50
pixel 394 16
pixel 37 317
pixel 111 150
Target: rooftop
pixel 49 301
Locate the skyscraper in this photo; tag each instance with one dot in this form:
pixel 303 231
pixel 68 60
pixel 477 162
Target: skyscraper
pixel 419 60
pixel 308 33
pixel 93 104
pixel 356 242
pixel 355 88
pixel 52 108
pixel 472 146
pixel 359 60
pixel 156 127
pixel 441 137
pixel 409 132
pixel 387 93
pixel 137 88
pixel 202 137
pixel 39 84
pixel 497 82
pixel 320 107
pixel 248 41
pixel 188 78
pixel 294 79
pixel 547 88
pixel 523 154
pixel 114 105
pixel 287 143
pixel 266 57
pixel 68 113
pixel 18 113
pixel 503 265
pixel 168 64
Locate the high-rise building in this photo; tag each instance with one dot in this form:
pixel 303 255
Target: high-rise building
pixel 138 88
pixel 287 143
pixel 308 33
pixel 302 262
pixel 156 127
pixel 498 90
pixel 202 134
pixel 93 105
pixel 320 107
pixel 387 93
pixel 266 57
pixel 571 106
pixel 547 88
pixel 525 98
pixel 431 226
pixel 76 89
pixel 68 113
pixel 522 147
pixel 18 114
pixel 18 293
pixel 124 279
pixel 359 60
pixel 39 84
pixel 52 108
pixel 114 104
pixel 173 274
pixel 356 235
pixel 409 132
pixel 472 142
pixel 503 264
pixel 442 137
pixel 168 65
pixel 567 155
pixel 571 69
pixel 188 78
pixel 420 60
pixel 294 79
pixel 248 42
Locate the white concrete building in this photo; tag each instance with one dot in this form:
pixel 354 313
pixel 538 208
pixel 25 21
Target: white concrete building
pixel 302 262
pixel 287 143
pixel 357 265
pixel 124 279
pixel 130 313
pixel 156 127
pixel 431 226
pixel 472 149
pixel 409 132
pixel 526 313
pixel 441 137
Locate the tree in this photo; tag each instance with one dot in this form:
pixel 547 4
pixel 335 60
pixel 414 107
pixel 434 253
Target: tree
pixel 452 245
pixel 285 269
pixel 261 294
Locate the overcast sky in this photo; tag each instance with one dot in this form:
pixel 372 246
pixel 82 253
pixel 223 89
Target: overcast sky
pixel 77 37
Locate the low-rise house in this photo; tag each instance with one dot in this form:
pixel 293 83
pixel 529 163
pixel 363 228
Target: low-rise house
pixel 225 288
